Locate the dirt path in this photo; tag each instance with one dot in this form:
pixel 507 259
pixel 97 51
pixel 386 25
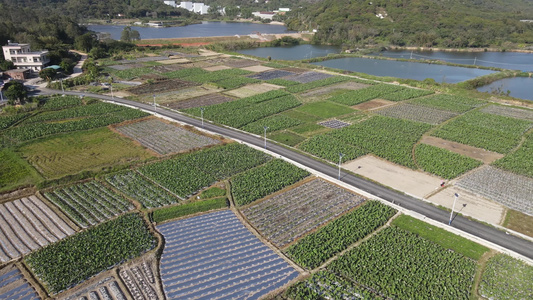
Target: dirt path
pixel 482 264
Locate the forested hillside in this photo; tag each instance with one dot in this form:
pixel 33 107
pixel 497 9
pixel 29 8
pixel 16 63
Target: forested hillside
pixel 452 23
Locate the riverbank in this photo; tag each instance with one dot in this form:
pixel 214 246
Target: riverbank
pixel 202 41
pixel 472 50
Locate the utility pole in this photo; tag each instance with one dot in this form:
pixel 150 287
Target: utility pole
pixel 265 127
pixel 340 161
pixel 155 107
pixel 453 207
pixel 202 111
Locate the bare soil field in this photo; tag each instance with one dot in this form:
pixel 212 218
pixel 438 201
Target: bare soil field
pixel 205 100
pixel 174 61
pixel 183 94
pixel 257 68
pixel 350 85
pixel 473 152
pixel 252 89
pixel 373 104
pixel 400 178
pixel 295 70
pixel 470 205
pixel 161 87
pixel 216 68
pixel 168 68
pixel 241 63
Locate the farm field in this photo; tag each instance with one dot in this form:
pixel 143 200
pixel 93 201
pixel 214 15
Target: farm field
pixel 418 113
pixel 442 162
pixel 107 288
pixel 292 214
pixel 465 150
pixel 506 111
pixel 14 286
pixel 520 161
pixel 26 225
pixel 200 101
pixel 86 254
pixel 511 190
pixel 426 270
pixel 215 256
pixel 140 280
pixel 137 187
pixel 161 86
pixel 16 171
pixel 506 278
pixel 397 177
pixel 173 212
pixel 88 203
pixel 252 89
pixel 164 138
pixel 95 149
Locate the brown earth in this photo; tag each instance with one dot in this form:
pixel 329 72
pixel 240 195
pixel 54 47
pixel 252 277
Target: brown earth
pixel 373 104
pixel 473 152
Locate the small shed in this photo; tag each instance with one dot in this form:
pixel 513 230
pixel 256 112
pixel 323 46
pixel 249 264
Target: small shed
pixel 19 74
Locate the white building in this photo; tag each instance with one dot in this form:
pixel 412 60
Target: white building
pixel 264 14
pixel 23 58
pixel 200 8
pixel 186 5
pixel 171 3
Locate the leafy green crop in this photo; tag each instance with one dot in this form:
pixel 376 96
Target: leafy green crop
pixel 442 162
pixel 506 278
pixel 274 123
pixel 362 95
pixel 449 102
pixel 78 257
pixel 520 161
pixel 315 84
pixel 173 212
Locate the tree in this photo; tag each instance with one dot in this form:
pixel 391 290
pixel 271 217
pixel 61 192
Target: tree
pixel 15 92
pixel 85 42
pixel 6 65
pixel 129 35
pixel 246 13
pixel 48 74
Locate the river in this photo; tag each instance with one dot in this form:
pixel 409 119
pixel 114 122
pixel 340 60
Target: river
pixel 204 29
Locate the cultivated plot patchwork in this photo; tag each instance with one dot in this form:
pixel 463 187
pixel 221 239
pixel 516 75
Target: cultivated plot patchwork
pixel 13 286
pixel 335 124
pixel 137 187
pixel 308 77
pixel 214 256
pixel 140 281
pixel 89 203
pixel 290 215
pixel 106 289
pixel 512 190
pixel 165 138
pixel 28 224
pixel 417 113
pixel 519 113
pixel 273 74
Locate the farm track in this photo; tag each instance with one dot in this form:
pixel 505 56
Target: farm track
pixel 488 233
pixel 25 226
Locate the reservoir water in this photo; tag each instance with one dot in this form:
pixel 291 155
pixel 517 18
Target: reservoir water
pixel 204 29
pixel 520 87
pixel 407 70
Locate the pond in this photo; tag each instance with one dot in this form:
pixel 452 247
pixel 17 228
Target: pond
pixel 292 52
pixel 519 87
pixel 407 70
pixel 504 60
pixel 205 29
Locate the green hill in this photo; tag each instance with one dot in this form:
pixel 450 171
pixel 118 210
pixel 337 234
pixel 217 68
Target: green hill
pixel 452 23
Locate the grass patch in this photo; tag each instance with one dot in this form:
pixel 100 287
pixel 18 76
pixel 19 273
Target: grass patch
pixel 287 138
pixel 16 172
pixel 72 153
pixel 325 109
pixel 309 129
pixel 304 117
pixel 440 236
pixel 519 222
pixel 213 193
pixel 173 212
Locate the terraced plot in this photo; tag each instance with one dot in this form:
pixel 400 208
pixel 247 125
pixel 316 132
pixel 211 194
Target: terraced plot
pixel 417 113
pixel 13 286
pixel 214 256
pixel 89 203
pixel 28 224
pixel 290 215
pixel 511 190
pixel 140 281
pixel 106 289
pixel 165 138
pixel 519 113
pixel 308 77
pixel 135 186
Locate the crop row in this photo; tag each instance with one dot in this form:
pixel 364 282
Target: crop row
pixel 264 180
pixel 105 289
pixel 165 138
pixel 362 95
pixel 61 102
pixel 161 86
pixel 217 75
pixel 505 277
pixel 235 82
pixel 133 72
pixel 315 84
pixel 290 215
pixel 173 212
pixel 326 285
pixel 137 187
pixel 448 102
pixel 375 135
pixel 271 74
pixel 406 93
pixel 89 203
pixel 189 173
pixel 282 82
pixel 418 113
pixel 188 72
pixel 8 120
pixel 401 265
pixel 14 285
pixel 274 123
pixel 316 248
pixel 442 162
pixel 491 132
pixel 72 260
pixel 512 112
pixel 519 161
pixel 37 130
pixel 93 109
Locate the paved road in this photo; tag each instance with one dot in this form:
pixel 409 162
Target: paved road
pixel 480 230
